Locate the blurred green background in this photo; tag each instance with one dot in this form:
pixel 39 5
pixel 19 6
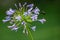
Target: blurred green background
pixel 48 31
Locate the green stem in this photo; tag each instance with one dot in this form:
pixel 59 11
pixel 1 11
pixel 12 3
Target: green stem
pixel 30 33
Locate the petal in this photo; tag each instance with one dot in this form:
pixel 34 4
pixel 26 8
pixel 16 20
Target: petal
pixel 24 4
pixel 8 13
pixel 23 23
pixel 30 9
pixel 34 17
pixel 42 20
pixel 36 10
pixel 8 18
pixel 4 20
pixel 33 28
pixel 15 28
pixel 11 10
pixel 20 5
pixel 10 26
pixel 30 5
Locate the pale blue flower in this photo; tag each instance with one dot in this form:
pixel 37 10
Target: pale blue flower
pixel 25 13
pixel 8 18
pixel 42 20
pixel 30 5
pixel 36 10
pixel 33 28
pixel 10 11
pixel 13 27
pixel 34 17
pixel 4 20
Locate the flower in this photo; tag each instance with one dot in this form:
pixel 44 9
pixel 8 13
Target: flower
pixel 13 27
pixel 4 20
pixel 20 5
pixel 29 10
pixel 10 11
pixel 23 15
pixel 24 4
pixel 33 28
pixel 42 20
pixel 36 10
pixel 23 23
pixel 34 17
pixel 8 18
pixel 30 5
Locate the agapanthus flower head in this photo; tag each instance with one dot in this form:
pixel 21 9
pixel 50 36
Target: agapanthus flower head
pixel 24 15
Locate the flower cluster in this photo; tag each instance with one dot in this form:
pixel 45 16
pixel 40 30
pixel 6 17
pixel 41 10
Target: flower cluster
pixel 23 15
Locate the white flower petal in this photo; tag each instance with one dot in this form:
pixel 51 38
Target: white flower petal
pixel 20 5
pixel 16 6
